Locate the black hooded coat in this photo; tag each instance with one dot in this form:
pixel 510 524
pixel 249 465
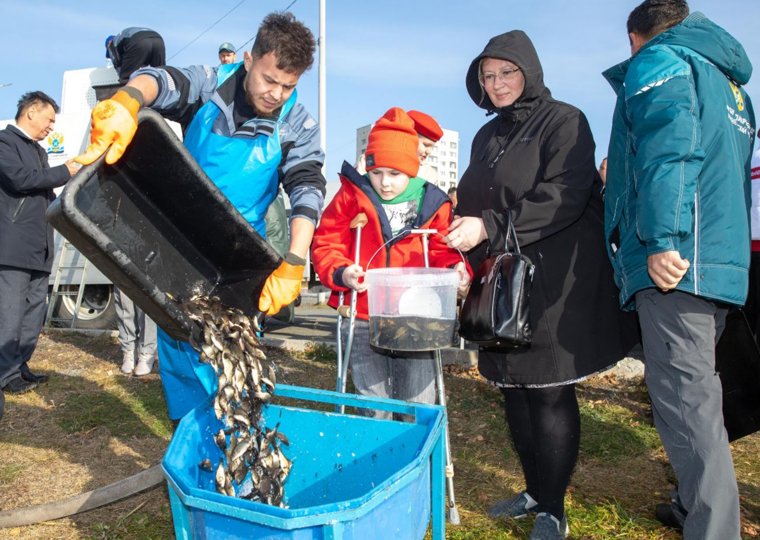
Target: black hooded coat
pixel 535 161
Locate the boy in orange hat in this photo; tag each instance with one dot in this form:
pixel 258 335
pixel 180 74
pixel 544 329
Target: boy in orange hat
pixel 394 201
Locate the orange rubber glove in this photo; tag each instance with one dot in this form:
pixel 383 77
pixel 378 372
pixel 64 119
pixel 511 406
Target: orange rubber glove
pixel 114 122
pixel 281 288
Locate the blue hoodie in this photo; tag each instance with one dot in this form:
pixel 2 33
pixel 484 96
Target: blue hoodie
pixel 678 172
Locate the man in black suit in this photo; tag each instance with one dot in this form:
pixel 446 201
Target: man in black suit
pixel 26 239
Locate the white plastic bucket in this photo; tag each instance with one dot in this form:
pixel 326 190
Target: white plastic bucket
pixel 412 309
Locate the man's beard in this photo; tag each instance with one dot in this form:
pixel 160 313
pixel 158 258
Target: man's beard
pixel 269 115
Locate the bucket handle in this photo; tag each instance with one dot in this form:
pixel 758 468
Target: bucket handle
pixel 406 232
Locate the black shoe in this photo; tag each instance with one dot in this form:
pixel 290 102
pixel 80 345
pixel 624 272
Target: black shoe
pixel 671 515
pixel 31 377
pixel 17 385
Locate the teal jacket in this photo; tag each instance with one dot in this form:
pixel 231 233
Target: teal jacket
pixel 678 175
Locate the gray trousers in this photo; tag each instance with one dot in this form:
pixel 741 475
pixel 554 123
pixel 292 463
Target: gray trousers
pixel 22 315
pixel 408 378
pixel 679 332
pixel 137 331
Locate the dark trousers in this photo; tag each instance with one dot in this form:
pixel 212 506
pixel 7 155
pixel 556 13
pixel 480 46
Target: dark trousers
pixel 752 307
pixel 22 314
pixel 142 49
pixel 545 426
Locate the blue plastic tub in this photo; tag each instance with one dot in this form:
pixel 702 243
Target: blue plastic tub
pixel 352 477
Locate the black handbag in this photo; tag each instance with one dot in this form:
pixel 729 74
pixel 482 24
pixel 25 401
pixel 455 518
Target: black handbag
pixel 496 310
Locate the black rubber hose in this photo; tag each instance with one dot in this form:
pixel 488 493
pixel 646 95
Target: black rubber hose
pixel 83 502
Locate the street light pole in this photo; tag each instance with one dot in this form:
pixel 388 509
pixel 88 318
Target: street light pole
pixel 322 83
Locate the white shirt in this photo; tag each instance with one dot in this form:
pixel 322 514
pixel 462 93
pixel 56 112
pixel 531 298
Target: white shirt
pixel 755 208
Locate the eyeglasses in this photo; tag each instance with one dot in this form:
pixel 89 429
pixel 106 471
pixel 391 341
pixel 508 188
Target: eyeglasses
pixel 504 75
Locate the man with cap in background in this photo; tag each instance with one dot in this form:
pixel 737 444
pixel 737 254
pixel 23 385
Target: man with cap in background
pixel 227 53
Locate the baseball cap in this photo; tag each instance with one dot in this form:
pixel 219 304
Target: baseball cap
pixel 425 125
pixel 227 46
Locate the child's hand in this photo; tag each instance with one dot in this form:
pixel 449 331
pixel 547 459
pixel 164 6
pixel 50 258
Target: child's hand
pixel 464 279
pixel 351 277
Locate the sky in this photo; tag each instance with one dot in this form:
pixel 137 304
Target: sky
pixel 408 53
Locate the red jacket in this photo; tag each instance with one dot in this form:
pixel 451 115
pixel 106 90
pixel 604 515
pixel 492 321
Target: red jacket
pixel 333 247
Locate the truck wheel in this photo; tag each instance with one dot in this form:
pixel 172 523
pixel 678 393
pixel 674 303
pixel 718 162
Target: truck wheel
pixel 96 312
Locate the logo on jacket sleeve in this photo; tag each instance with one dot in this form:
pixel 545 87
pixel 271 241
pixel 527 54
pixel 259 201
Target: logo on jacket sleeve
pixel 737 96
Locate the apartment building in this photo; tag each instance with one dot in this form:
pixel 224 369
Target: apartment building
pixel 442 165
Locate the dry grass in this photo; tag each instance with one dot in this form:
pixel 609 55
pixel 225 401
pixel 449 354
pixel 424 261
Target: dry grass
pixel 90 426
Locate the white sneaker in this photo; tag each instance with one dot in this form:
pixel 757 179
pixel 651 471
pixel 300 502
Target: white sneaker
pixel 144 365
pixel 128 362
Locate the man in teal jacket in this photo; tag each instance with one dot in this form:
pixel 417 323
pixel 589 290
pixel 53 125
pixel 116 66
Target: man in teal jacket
pixel 677 228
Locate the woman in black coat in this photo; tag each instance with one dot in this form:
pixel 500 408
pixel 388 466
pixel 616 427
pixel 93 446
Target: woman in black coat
pixel 534 163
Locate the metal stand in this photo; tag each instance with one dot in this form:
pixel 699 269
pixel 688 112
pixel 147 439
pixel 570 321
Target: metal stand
pixel 452 504
pixel 344 355
pixel 453 513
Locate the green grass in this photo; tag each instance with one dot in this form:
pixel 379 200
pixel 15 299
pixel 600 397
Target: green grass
pixel 621 473
pixel 136 524
pixel 132 410
pixel 618 443
pixel 319 352
pixel 609 519
pixel 610 433
pixel 9 472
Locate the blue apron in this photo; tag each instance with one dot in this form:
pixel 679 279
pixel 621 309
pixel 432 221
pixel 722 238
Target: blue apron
pixel 245 170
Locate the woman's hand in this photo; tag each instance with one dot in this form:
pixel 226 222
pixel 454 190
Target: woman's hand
pixel 351 276
pixel 465 233
pixel 464 279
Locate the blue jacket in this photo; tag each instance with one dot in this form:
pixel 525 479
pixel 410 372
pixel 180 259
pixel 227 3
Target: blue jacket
pixel 679 162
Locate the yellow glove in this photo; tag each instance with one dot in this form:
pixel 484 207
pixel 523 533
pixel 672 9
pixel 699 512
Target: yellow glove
pixel 282 286
pixel 114 122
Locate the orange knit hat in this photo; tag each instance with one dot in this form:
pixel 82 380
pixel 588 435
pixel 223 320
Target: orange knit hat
pixel 393 143
pixel 425 125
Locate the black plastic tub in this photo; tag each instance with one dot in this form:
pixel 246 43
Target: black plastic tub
pixel 160 229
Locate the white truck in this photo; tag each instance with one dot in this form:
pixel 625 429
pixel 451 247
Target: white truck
pixel 82 89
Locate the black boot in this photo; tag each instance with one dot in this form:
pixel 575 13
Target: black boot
pixel 17 385
pixel 671 515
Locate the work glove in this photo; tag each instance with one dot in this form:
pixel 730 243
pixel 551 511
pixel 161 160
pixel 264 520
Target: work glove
pixel 114 122
pixel 283 285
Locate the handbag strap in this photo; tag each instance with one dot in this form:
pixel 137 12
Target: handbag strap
pixel 511 233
